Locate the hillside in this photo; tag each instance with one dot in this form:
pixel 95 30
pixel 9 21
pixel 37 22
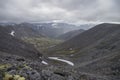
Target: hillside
pixel 86 38
pixel 42 43
pixel 98 55
pixel 102 57
pixel 12 45
pixel 70 34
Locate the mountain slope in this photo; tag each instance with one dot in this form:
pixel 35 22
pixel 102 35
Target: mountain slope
pixel 98 52
pixel 12 45
pixel 70 34
pixel 102 58
pixel 86 38
pixel 23 30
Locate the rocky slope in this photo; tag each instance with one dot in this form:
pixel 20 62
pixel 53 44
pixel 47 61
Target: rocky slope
pixel 102 58
pixel 12 45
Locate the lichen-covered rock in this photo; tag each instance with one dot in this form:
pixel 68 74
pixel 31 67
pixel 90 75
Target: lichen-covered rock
pixel 8 77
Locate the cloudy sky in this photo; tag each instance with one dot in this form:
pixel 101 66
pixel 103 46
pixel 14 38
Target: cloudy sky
pixel 60 10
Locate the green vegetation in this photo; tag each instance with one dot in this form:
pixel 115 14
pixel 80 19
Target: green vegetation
pixel 42 44
pixel 7 76
pixel 27 67
pixel 64 52
pixel 12 77
pixel 2 69
pixel 4 66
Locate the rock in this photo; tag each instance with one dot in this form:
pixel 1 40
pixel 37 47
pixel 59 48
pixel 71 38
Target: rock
pixel 20 59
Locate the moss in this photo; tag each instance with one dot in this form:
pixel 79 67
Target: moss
pixel 72 51
pixel 18 77
pixel 66 52
pixel 27 67
pixel 12 77
pixel 23 66
pixel 4 66
pixel 8 77
pixel 22 78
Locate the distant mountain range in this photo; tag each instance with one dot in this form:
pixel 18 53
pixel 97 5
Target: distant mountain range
pixel 54 30
pixel 51 30
pixel 23 30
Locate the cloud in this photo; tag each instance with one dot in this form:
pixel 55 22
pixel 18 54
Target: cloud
pixel 66 10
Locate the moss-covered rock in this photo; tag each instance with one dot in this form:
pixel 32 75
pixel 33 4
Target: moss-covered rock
pixel 4 66
pixel 8 77
pixel 12 77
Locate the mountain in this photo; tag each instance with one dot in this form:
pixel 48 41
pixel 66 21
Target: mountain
pixel 7 23
pixel 86 38
pixel 50 30
pixel 18 61
pixel 70 34
pixel 86 26
pixel 95 52
pixel 54 29
pixel 103 56
pixel 14 46
pixel 23 30
pixel 91 55
pixel 47 29
pixel 21 61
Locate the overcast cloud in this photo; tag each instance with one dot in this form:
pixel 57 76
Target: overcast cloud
pixel 63 10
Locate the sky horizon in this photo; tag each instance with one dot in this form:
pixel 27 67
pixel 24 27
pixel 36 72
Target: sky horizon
pixel 73 11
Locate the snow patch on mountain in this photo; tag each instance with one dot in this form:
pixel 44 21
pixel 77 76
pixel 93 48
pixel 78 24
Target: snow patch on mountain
pixel 12 33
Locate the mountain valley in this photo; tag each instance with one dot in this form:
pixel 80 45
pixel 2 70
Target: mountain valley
pixel 28 53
